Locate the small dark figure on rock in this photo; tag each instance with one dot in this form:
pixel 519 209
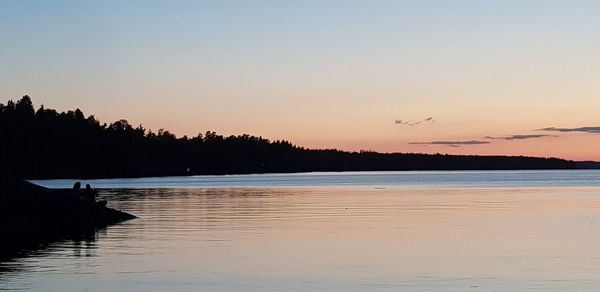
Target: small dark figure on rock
pixel 76 188
pixel 90 194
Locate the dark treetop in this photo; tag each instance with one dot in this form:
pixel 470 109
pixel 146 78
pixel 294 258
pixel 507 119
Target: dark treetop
pixel 44 143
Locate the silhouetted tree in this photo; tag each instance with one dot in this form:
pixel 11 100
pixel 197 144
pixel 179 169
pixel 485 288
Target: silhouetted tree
pixel 48 144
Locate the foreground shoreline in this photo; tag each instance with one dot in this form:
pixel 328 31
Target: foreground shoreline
pixel 31 216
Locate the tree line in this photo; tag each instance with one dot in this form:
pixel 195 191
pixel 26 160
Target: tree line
pixel 44 143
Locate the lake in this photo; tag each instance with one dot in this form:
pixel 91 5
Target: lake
pixel 382 231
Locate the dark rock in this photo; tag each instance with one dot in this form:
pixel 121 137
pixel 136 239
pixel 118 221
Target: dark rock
pixel 31 215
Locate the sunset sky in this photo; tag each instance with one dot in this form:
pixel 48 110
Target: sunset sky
pixel 461 77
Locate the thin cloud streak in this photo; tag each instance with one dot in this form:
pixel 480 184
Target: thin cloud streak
pixel 414 123
pixel 591 130
pixel 520 137
pixel 451 143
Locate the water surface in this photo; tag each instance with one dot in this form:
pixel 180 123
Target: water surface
pixel 403 179
pixel 389 235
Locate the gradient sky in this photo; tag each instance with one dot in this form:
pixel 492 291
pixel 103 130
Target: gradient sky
pixel 326 74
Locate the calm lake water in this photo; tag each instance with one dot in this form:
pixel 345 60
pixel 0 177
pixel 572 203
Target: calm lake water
pixel 389 231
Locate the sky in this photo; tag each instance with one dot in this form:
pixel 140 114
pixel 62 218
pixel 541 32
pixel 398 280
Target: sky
pixel 458 77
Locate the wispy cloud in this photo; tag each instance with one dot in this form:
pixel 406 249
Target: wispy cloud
pixel 520 137
pixel 593 130
pixel 451 143
pixel 414 123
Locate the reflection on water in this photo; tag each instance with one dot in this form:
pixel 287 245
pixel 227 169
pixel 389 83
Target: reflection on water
pixel 79 245
pixel 330 239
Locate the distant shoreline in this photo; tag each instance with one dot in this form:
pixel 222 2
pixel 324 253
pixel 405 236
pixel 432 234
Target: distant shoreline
pixel 578 165
pixel 313 173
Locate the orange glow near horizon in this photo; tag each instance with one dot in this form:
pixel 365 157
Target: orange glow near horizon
pixel 320 74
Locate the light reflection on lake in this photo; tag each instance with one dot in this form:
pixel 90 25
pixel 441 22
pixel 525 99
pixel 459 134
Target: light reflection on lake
pixel 326 239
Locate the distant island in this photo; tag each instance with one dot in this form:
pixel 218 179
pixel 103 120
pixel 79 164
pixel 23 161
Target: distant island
pixel 44 144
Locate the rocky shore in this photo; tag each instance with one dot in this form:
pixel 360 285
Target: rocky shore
pixel 31 215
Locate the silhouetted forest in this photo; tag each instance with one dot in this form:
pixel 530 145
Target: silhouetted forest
pixel 44 143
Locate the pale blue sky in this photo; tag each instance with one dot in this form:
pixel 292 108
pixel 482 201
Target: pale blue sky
pixel 318 73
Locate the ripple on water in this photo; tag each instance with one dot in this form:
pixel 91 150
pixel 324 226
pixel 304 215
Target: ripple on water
pixel 330 239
